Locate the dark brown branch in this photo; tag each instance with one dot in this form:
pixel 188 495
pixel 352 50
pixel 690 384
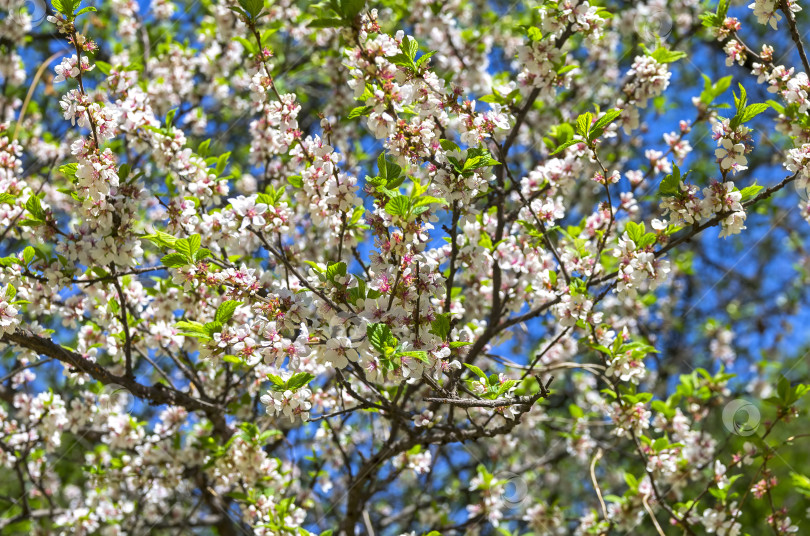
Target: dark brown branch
pixel 500 403
pixel 156 394
pixel 794 33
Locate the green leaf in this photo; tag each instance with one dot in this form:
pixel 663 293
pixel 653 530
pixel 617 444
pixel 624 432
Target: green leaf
pixel 84 10
pixel 750 191
pixel 174 260
pixel 388 170
pixel 534 33
pixel 449 145
pixel 335 269
pixel 204 147
pixel 170 117
pixel 752 111
pixel 428 200
pixel 610 116
pixel 583 125
pixel 421 355
pixel 213 327
pixel 565 146
pixel 328 23
pixel 299 380
pixel 410 47
pixel 635 231
pixel 380 337
pixel 423 59
pixel 711 92
pixel 801 483
pixel 562 132
pixel 351 8
pixel 475 370
pixel 34 207
pixel 225 310
pixel 360 111
pixel 661 407
pixel 441 326
pixel 201 254
pixel 194 242
pixel 252 7
pixel 161 239
pixel 182 246
pixel 662 55
pixel 192 329
pixel 123 171
pixel 65 7
pixel 478 158
pixel 28 255
pixel 776 106
pixel 69 170
pixel 671 184
pixel 740 102
pixel 222 162
pixel 398 206
pixel 277 382
pixel 104 67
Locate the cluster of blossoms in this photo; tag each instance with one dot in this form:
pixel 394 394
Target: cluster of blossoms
pixel 721 522
pixel 627 364
pixel 797 162
pixel 636 265
pixel 733 145
pixel 193 173
pixel 575 307
pixel 539 59
pixel 796 92
pixel 678 144
pixel 326 191
pixel 730 26
pixel 70 68
pixel 11 168
pixel 735 53
pixel 648 79
pixel 546 519
pixel 250 283
pixel 630 419
pixel 493 496
pixel 277 129
pixel 8 314
pixel 767 11
pixel 288 403
pixel 416 460
pixel 719 198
